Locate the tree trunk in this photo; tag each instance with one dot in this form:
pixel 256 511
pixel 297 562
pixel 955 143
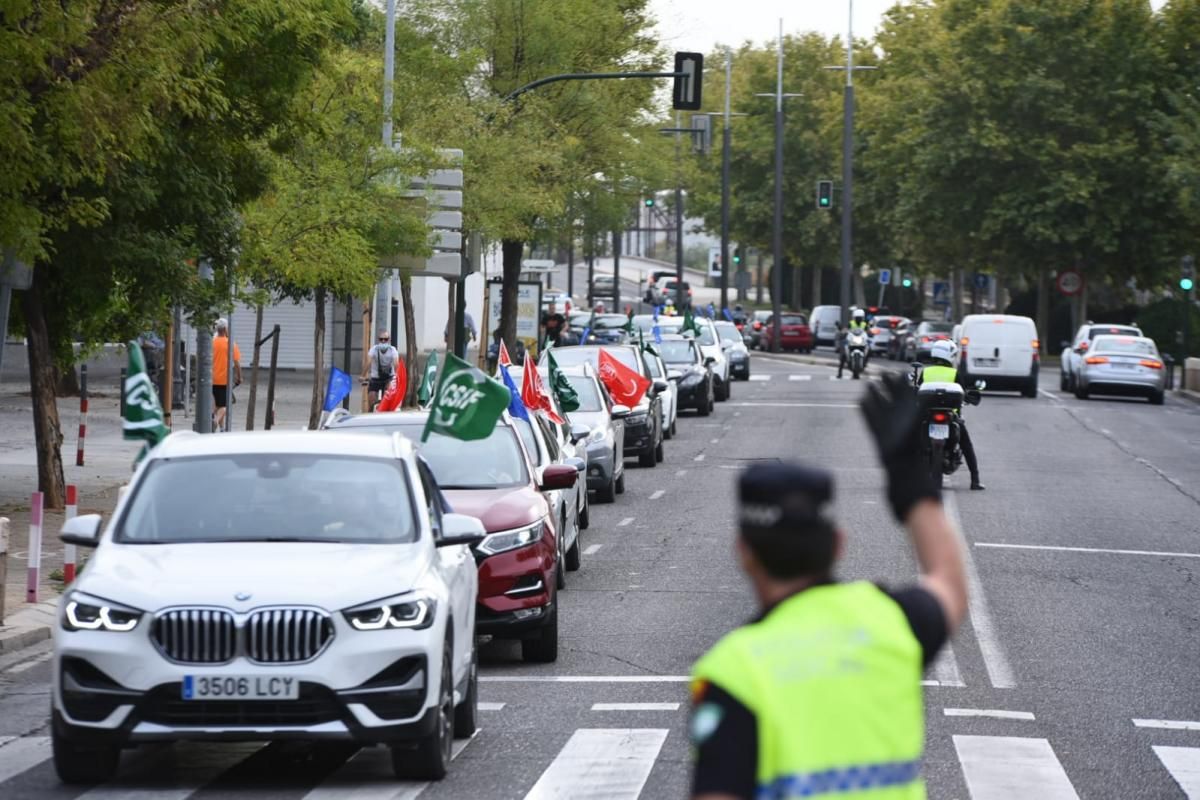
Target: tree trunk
pixel 251 403
pixel 68 382
pixel 314 409
pixel 410 339
pixel 511 256
pixel 1043 307
pixel 43 380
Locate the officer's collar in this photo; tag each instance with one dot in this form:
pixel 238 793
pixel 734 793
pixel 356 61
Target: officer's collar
pixel 826 581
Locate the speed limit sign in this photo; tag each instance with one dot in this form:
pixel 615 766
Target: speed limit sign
pixel 1070 282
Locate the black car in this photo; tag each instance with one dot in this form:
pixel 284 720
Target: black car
pixel 644 425
pixel 690 371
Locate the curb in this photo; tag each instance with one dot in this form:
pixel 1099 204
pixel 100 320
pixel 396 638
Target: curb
pixel 28 626
pixel 1188 394
pixel 811 360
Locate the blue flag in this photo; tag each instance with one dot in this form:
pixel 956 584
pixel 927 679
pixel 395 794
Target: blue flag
pixel 658 310
pixel 515 406
pixel 728 315
pixel 657 331
pixel 338 388
pixel 584 335
pixel 712 311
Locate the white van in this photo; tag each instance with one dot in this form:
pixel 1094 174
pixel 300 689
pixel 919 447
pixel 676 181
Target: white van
pixel 1001 349
pixel 824 321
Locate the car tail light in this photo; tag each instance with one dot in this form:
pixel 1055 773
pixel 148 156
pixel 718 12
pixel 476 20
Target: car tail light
pixel 1096 360
pixel 1036 345
pixel 874 331
pixel 1151 363
pixel 940 416
pixel 757 325
pixel 924 340
pixel 964 341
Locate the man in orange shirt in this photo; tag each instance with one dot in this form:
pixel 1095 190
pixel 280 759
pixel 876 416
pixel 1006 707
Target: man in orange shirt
pixel 220 373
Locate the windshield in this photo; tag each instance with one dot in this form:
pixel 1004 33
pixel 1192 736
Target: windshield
pixel 610 321
pixel 589 396
pixel 730 333
pixel 263 497
pixel 677 352
pixel 793 319
pixel 492 463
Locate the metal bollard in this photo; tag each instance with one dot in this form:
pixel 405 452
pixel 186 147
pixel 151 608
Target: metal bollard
pixel 123 371
pixel 83 412
pixel 3 562
pixel 35 548
pixel 69 549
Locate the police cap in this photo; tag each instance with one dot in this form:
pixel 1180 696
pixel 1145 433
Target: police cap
pixel 783 496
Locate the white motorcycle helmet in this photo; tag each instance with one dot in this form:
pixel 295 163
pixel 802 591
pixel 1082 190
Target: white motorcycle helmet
pixel 944 350
pixel 858 315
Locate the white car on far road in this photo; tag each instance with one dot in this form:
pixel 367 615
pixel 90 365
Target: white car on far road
pixel 270 586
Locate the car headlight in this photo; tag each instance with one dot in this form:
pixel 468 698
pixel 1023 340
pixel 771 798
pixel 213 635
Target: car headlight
pixel 691 379
pixel 598 434
pixel 503 541
pixel 638 419
pixel 409 611
pixel 84 613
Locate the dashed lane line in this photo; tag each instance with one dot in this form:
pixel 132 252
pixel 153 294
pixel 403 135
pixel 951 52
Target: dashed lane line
pixel 482 706
pixel 615 762
pixel 1168 724
pixel 699 457
pixel 1104 550
pixel 993 713
pixel 635 706
pixel 657 494
pixel 625 522
pixel 592 549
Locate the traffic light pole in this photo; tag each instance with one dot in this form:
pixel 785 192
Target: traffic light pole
pixel 726 265
pixel 847 181
pixel 679 295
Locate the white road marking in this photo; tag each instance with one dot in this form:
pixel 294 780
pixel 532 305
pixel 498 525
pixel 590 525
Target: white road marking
pixel 624 522
pixel 657 494
pixel 22 754
pixel 1011 767
pixel 585 678
pixel 945 668
pixel 608 763
pixel 367 775
pixel 760 378
pixel 679 473
pixel 1168 724
pixel 795 405
pixel 737 413
pixel 699 457
pixel 799 377
pixel 203 766
pixel 713 441
pixel 994 661
pixel 1184 765
pixel 1109 551
pixel 30 664
pixel 592 549
pixel 635 706
pixel 491 706
pixel 994 713
pixel 1051 395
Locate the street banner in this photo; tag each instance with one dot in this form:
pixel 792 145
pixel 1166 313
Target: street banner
pixel 467 402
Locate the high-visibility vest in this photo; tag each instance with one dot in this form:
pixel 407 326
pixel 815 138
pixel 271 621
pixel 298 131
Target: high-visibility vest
pixel 936 373
pixel 855 325
pixel 833 678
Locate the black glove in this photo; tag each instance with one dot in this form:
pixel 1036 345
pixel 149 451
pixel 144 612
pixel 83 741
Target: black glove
pixel 894 417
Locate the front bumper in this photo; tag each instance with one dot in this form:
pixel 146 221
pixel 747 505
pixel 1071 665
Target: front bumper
pixel 1125 382
pixel 639 437
pixel 601 469
pixel 515 589
pixel 739 366
pixel 692 394
pixel 368 687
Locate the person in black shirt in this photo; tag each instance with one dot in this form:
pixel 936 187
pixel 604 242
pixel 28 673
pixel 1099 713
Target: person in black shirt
pixel 553 323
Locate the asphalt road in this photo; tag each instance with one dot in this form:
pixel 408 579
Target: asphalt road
pixel 1075 675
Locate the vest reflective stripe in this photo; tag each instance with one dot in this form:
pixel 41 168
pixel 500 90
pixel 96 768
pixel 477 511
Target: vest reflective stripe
pixel 936 373
pixel 833 679
pixel 857 326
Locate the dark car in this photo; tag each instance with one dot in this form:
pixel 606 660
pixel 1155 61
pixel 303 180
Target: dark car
pixel 601 290
pixel 794 333
pixel 644 425
pixel 921 338
pixel 520 563
pixel 690 371
pixel 603 329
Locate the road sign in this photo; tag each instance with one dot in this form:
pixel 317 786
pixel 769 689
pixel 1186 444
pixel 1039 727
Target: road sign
pixel 941 293
pixel 885 277
pixel 537 265
pixel 981 280
pixel 1070 282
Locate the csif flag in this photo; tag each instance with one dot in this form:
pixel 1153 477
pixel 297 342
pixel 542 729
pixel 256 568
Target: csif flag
pixel 627 386
pixel 393 396
pixel 467 402
pixel 568 400
pixel 428 380
pixel 143 414
pixel 535 395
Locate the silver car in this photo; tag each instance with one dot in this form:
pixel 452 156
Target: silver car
pixel 1076 350
pixel 734 347
pixel 605 439
pixel 1122 365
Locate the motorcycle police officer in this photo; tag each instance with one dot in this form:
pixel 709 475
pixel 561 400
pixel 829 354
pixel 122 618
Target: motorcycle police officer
pixel 822 692
pixel 942 370
pixel 858 322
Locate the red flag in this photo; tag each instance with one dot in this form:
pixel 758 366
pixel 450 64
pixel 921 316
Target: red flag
pixel 393 396
pixel 624 384
pixel 504 360
pixel 534 394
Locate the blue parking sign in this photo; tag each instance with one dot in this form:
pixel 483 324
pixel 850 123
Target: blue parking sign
pixel 941 293
pixel 981 280
pixel 885 277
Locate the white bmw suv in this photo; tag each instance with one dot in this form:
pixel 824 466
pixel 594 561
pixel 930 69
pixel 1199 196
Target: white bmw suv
pixel 264 586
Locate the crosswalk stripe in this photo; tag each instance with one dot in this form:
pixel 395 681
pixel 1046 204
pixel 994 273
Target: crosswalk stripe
pixel 635 706
pixel 167 779
pixel 1168 724
pixel 799 377
pixel 1012 768
pixel 945 669
pixel 367 775
pixel 608 763
pixel 490 706
pixel 1184 765
pixel 760 378
pixel 22 754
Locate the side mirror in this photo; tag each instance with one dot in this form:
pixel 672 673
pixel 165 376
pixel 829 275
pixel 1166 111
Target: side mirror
pixel 460 529
pixel 83 531
pixel 558 476
pixel 578 463
pixel 579 432
pixel 916 365
pixel 661 385
pixel 709 361
pixel 619 411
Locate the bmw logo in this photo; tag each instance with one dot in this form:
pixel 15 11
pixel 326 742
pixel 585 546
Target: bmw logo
pixel 242 597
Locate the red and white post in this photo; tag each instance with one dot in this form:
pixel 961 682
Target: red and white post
pixel 83 408
pixel 35 548
pixel 69 550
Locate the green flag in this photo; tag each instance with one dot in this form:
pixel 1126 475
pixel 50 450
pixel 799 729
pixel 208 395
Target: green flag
pixel 467 402
pixel 143 414
pixel 646 348
pixel 567 398
pixel 428 381
pixel 689 322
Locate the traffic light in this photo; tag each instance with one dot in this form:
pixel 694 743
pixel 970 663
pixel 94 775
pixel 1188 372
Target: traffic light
pixel 1187 282
pixel 649 202
pixel 737 256
pixel 686 92
pixel 825 194
pixel 907 283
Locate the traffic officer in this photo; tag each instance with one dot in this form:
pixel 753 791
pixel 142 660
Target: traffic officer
pixel 942 355
pixel 822 692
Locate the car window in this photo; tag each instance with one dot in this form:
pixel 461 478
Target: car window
pixel 1112 330
pixel 574 356
pixel 609 322
pixel 935 327
pixel 433 499
pixel 550 437
pixel 260 497
pixel 793 319
pixel 529 439
pixel 706 336
pixel 585 387
pixel 652 365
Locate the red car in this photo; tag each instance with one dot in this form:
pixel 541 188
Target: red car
pixel 520 562
pixel 794 333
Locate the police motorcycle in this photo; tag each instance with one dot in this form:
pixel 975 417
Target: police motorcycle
pixel 857 346
pixel 940 407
